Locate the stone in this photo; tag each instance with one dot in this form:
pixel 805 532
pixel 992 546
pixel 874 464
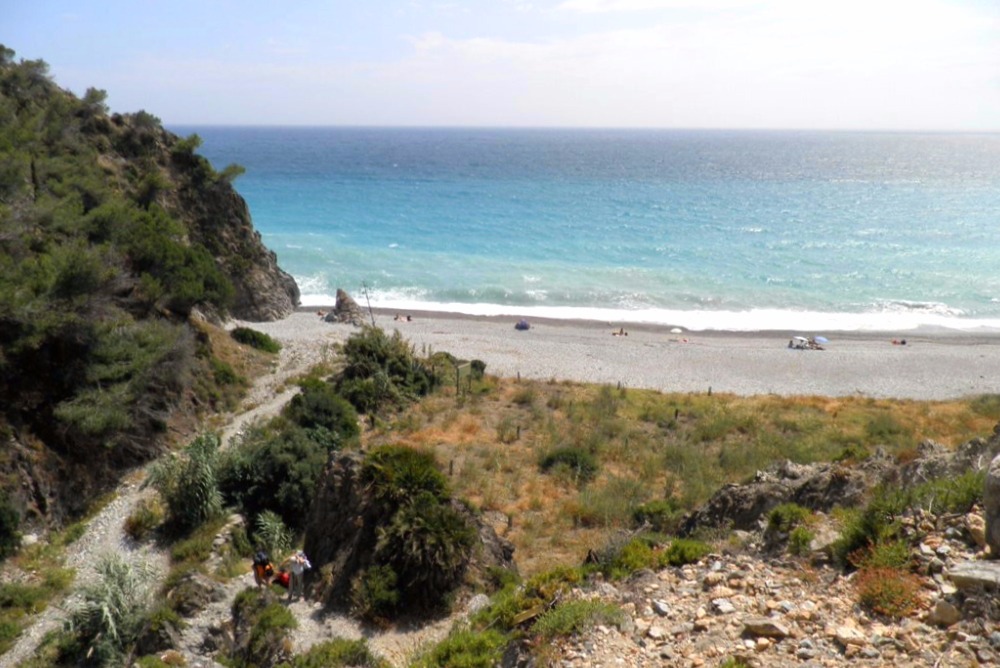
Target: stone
pixel 849 636
pixel 944 614
pixel 661 607
pixel 346 310
pixel 656 633
pixel 723 606
pixel 991 506
pixel 975 575
pixel 975 524
pixel 765 627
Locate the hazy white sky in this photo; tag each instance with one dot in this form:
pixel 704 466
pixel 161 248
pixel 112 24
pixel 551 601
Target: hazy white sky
pixel 866 64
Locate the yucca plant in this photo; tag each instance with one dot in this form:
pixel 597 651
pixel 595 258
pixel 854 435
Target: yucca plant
pixel 271 534
pixel 189 485
pixel 111 612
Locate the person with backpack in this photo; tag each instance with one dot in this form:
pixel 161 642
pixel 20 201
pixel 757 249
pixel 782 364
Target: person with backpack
pixel 262 569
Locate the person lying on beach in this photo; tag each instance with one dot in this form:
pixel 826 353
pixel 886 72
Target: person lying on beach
pixel 620 332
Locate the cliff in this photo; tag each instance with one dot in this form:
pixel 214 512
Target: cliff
pixel 116 241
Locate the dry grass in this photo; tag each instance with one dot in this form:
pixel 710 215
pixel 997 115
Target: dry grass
pixel 650 445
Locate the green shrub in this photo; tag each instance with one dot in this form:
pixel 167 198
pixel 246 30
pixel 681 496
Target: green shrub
pixel 579 463
pixel 382 371
pixel 375 594
pixel 141 523
pixel 885 554
pixel 111 612
pixel 194 549
pixel 466 649
pixel 428 544
pixel 662 515
pixel 269 623
pixel 397 475
pixel 10 520
pixel 799 540
pixel 272 469
pixel 786 516
pixel 271 534
pixel 686 551
pixel 507 430
pixel 326 416
pixel 255 339
pixel 339 653
pixel 574 617
pixel 188 484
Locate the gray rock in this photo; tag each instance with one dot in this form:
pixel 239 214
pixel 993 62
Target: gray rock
pixel 346 310
pixel 944 614
pixel 991 507
pixel 661 608
pixel 765 628
pixel 975 575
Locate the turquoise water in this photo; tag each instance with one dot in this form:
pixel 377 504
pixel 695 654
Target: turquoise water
pixel 703 229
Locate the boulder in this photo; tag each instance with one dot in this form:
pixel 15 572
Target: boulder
pixel 346 311
pixel 991 507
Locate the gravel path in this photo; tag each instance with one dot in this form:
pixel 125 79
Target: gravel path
pixel 302 348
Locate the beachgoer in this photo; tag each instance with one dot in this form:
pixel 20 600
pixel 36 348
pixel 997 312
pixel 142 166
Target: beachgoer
pixel 409 318
pixel 297 565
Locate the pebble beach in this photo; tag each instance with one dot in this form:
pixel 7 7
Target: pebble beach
pixel 932 365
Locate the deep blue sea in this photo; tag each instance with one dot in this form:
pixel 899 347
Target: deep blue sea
pixel 738 230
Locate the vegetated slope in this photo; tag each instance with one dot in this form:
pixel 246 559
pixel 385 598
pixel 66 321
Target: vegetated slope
pixel 113 232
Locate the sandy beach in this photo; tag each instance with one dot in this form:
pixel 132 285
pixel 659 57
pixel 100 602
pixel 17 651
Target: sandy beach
pixel 932 364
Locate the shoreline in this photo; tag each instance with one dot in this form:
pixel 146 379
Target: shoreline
pixel 933 365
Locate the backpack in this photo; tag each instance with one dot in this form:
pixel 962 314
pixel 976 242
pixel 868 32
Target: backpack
pixel 261 559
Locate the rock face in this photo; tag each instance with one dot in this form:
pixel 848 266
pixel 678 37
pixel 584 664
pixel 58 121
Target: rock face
pixel 342 531
pixel 991 503
pixel 824 486
pixel 221 221
pixel 346 311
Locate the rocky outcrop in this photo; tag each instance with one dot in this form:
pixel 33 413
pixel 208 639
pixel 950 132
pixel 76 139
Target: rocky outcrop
pixel 342 531
pixel 822 487
pixel 346 311
pixel 991 501
pixel 221 221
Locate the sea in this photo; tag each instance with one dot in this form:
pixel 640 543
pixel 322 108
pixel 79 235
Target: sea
pixel 704 230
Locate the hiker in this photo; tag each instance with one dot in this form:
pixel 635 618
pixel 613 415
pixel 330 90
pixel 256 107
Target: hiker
pixel 262 568
pixel 297 565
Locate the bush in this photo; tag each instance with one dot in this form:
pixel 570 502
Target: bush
pixel 428 544
pixel 375 594
pixel 111 613
pixel 466 649
pixel 581 464
pixel 144 519
pixel 271 534
pixel 888 591
pixel 684 551
pixel 326 416
pixel 397 475
pixel 576 617
pixel 382 371
pixel 274 470
pixel 10 520
pixel 785 517
pixel 188 485
pixel 339 653
pixel 269 623
pixel 799 540
pixel 662 515
pixel 255 339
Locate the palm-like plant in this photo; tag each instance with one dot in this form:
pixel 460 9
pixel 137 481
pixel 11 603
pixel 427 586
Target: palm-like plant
pixel 111 612
pixel 189 484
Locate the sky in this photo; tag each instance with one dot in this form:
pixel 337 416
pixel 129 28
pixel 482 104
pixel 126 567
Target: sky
pixel 802 64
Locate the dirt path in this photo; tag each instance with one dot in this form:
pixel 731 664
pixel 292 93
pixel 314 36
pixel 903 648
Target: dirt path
pixel 104 534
